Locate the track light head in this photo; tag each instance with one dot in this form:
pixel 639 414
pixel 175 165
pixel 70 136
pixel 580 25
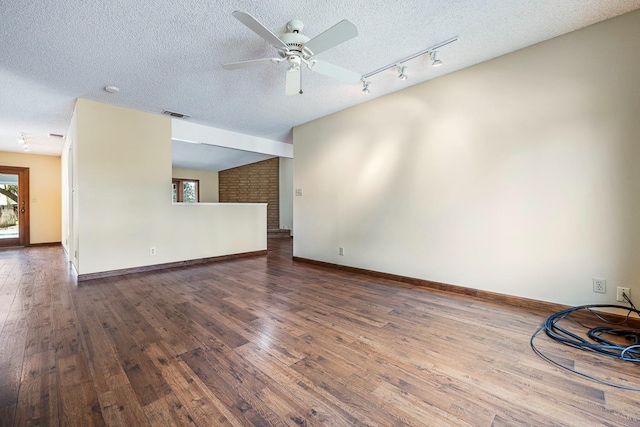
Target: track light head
pixel 435 62
pixel 402 72
pixel 365 86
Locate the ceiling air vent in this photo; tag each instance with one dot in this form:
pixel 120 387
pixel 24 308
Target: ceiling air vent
pixel 55 135
pixel 177 115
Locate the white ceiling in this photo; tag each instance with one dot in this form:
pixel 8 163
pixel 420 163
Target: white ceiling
pixel 168 55
pixel 187 155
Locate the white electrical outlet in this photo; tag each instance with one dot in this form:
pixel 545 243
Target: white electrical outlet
pixel 299 192
pixel 152 250
pixel 600 286
pixel 619 292
pixel 341 251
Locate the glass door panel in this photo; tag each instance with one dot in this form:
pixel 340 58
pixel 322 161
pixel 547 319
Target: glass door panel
pixel 189 192
pixel 9 206
pixel 14 206
pixel 185 190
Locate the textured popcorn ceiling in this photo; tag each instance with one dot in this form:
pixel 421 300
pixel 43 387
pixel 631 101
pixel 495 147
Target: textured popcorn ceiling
pixel 167 55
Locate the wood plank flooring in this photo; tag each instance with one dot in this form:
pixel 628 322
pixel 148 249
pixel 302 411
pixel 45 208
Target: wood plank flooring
pixel 267 341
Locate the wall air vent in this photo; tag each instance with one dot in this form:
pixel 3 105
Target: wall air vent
pixel 177 115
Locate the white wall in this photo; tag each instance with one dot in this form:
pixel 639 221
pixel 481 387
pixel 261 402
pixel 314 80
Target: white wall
pixel 519 175
pixel 286 193
pixel 208 181
pixel 66 194
pixel 124 203
pixel 70 212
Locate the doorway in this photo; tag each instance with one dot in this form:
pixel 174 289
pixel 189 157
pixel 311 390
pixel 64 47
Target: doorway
pixel 14 206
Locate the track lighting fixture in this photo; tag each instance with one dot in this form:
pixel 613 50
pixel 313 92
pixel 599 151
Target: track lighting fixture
pixel 433 54
pixel 401 72
pixel 365 86
pixel 435 62
pixel 22 140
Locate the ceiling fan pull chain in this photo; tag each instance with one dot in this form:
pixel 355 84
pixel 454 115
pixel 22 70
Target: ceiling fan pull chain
pixel 300 84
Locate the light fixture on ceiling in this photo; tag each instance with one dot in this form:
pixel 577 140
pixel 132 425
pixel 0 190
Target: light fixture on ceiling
pixel 23 140
pixel 365 86
pixel 435 62
pixel 398 64
pixel 402 72
pixel 112 89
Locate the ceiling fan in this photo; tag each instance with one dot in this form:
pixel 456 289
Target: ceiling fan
pixel 296 49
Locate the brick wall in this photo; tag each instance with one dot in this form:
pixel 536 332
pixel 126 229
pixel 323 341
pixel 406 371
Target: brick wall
pixel 254 183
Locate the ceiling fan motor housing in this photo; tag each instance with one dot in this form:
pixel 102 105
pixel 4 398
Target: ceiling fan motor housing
pixel 293 39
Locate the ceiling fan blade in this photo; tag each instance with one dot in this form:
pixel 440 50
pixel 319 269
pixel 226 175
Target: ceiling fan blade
pixel 336 72
pixel 245 64
pixel 293 81
pixel 255 26
pixel 339 33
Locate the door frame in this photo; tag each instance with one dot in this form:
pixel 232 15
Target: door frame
pixel 23 206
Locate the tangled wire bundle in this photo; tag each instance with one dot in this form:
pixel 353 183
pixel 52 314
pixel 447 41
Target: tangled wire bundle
pixel 596 340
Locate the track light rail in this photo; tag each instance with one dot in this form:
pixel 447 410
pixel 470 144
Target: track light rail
pixel 410 57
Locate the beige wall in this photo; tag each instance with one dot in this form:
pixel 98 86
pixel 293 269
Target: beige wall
pixel 208 181
pixel 519 175
pixel 44 194
pixel 122 199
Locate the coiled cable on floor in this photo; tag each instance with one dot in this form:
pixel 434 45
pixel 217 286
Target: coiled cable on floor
pixel 595 341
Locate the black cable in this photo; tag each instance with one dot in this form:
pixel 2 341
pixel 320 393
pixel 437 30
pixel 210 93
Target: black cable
pixel 626 297
pixel 595 342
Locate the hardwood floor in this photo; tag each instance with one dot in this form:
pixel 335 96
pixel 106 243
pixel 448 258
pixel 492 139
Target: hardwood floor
pixel 268 341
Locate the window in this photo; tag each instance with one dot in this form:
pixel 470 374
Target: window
pixel 185 190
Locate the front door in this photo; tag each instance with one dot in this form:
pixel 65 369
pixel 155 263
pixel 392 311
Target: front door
pixel 14 206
